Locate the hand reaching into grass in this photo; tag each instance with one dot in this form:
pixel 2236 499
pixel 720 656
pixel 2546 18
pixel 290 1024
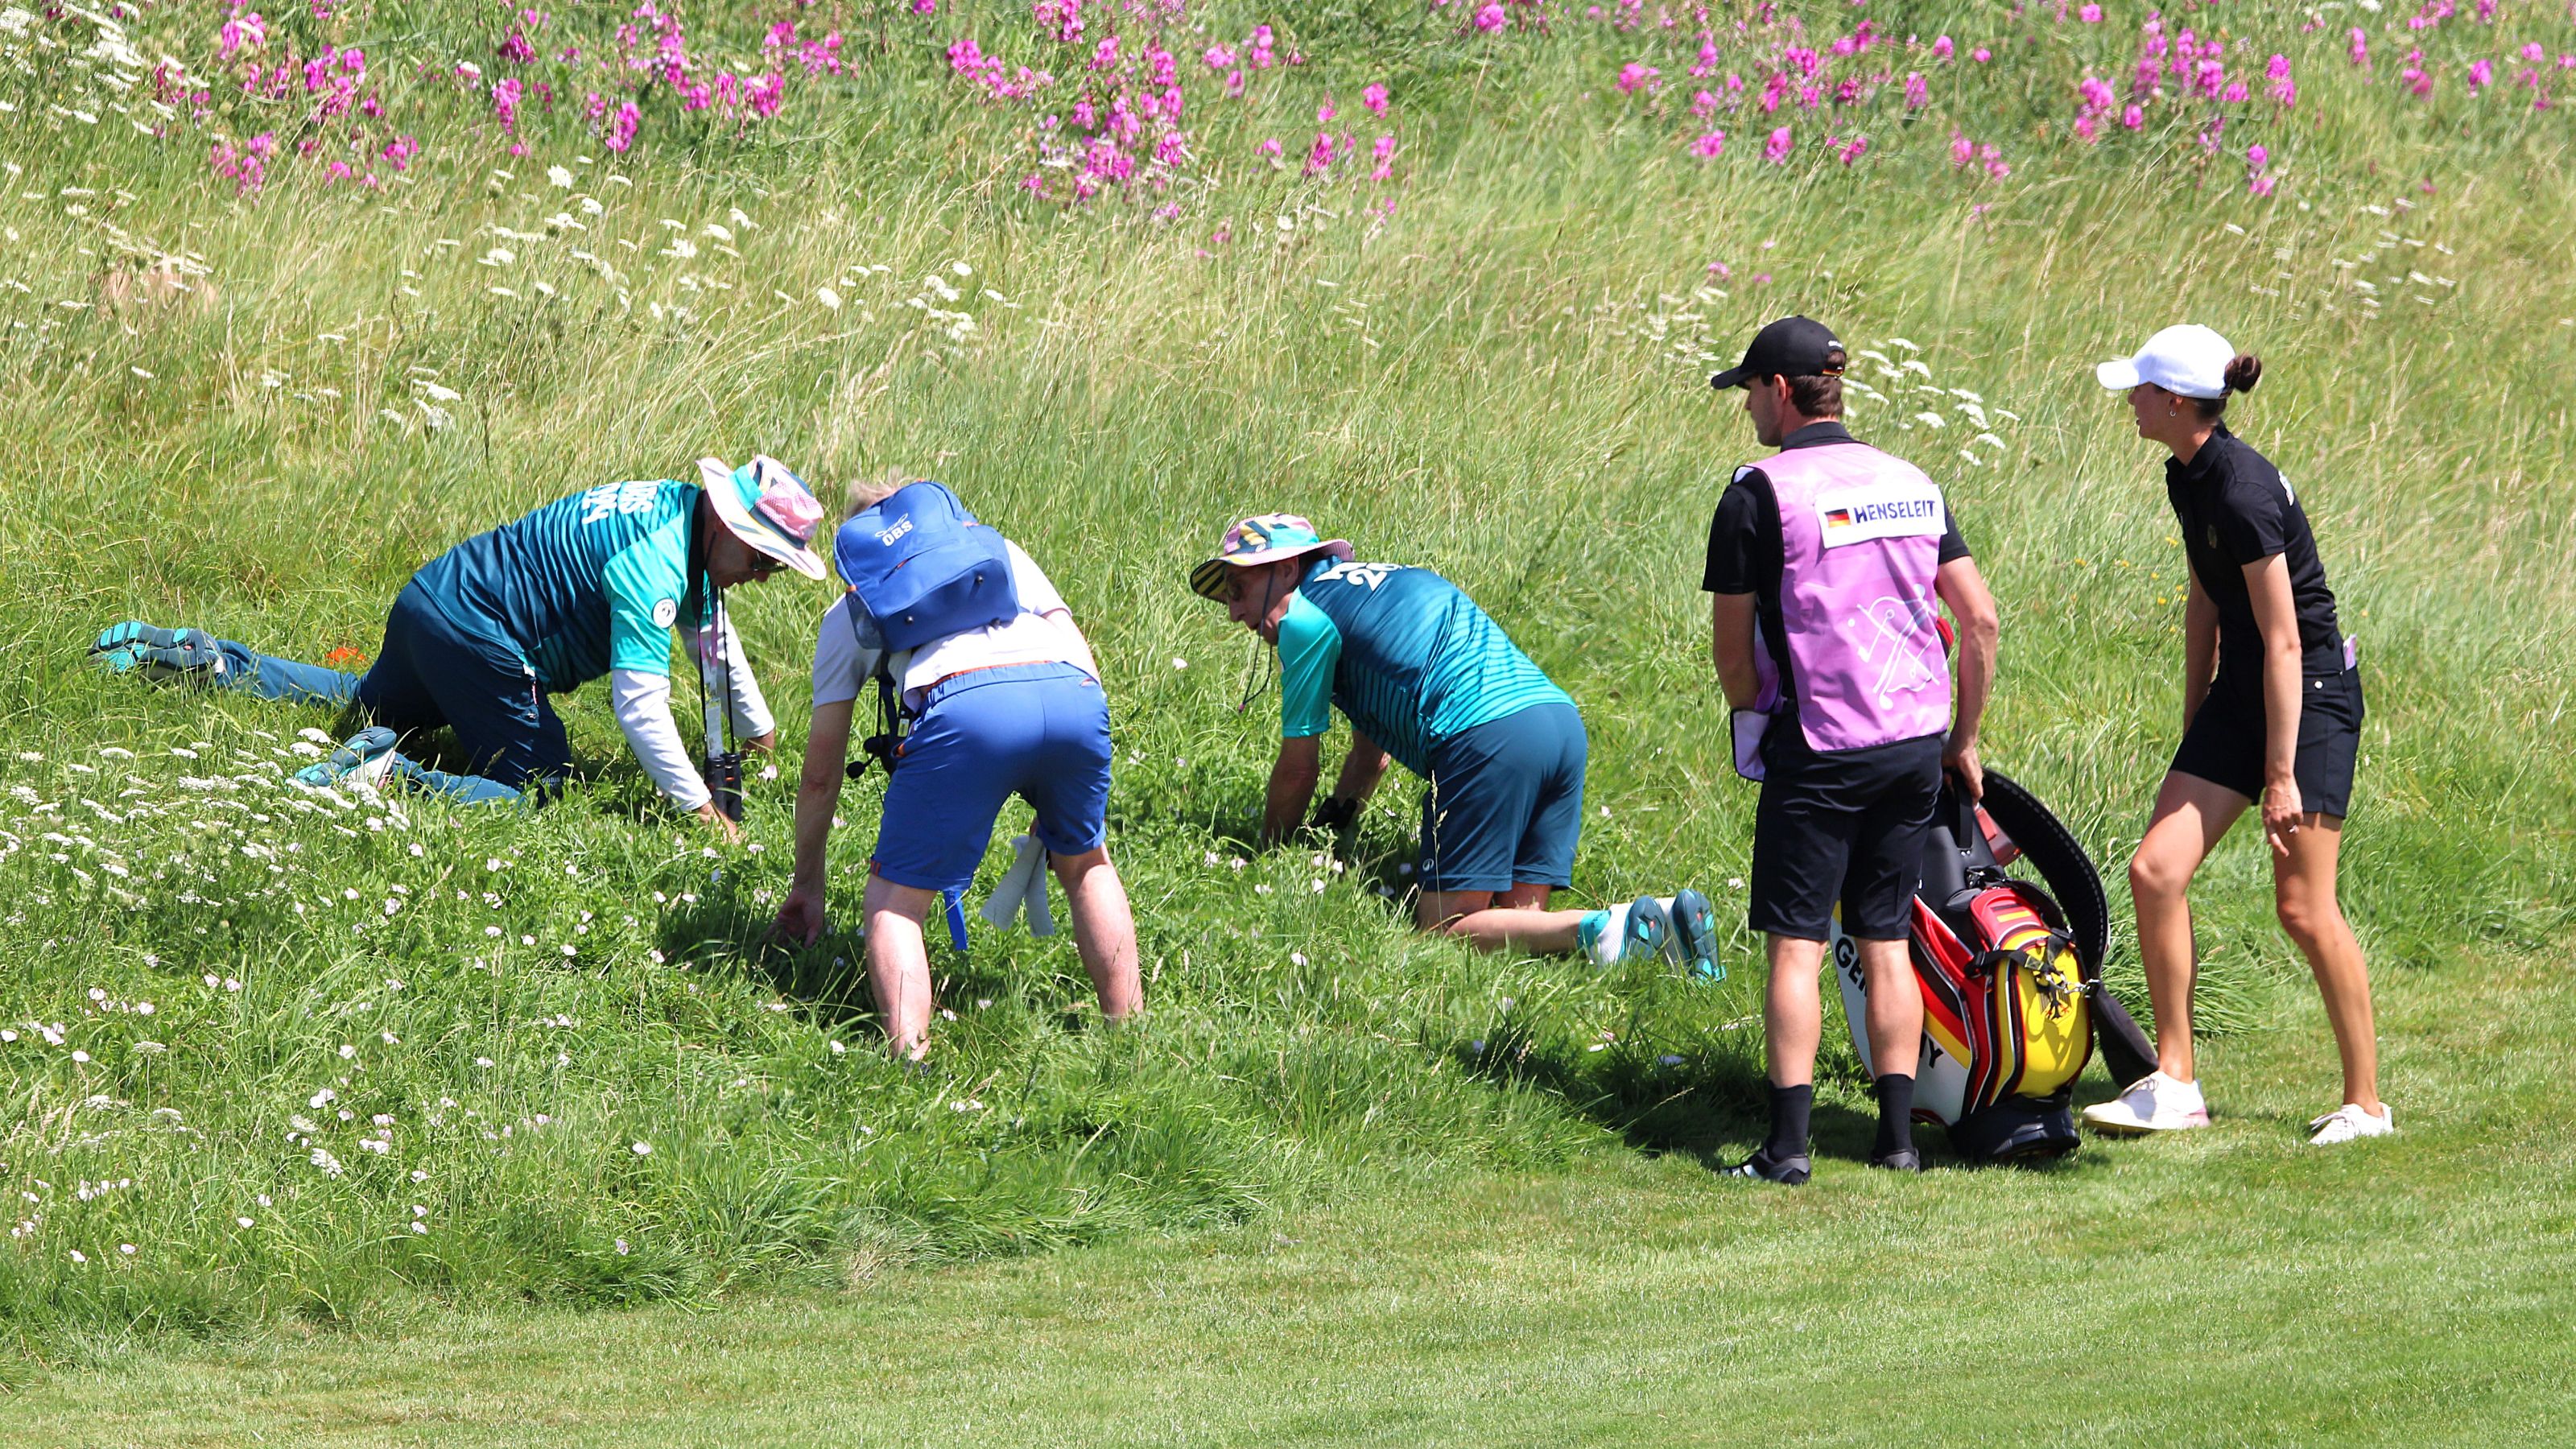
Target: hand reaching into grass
pixel 725 827
pixel 800 918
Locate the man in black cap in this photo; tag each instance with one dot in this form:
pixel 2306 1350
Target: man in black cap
pixel 1824 562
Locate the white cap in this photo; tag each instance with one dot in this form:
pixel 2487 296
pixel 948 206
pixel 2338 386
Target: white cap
pixel 2189 360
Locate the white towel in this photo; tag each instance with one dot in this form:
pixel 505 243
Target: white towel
pixel 1022 888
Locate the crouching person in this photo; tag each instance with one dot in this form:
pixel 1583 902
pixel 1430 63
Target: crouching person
pixel 1431 681
pixel 964 639
pixel 487 633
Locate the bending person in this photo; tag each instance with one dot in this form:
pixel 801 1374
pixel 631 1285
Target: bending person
pixel 483 635
pixel 1823 564
pixel 1430 680
pixel 2271 711
pixel 1010 705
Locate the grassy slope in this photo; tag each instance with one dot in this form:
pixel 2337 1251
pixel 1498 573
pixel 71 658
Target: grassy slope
pixel 2231 1289
pixel 1526 420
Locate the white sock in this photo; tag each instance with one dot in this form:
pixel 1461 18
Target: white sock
pixel 1614 936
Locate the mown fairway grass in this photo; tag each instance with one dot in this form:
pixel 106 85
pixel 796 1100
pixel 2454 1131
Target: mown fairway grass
pixel 2232 1289
pixel 1502 378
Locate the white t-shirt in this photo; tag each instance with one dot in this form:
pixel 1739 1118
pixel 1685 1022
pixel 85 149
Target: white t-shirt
pixel 845 657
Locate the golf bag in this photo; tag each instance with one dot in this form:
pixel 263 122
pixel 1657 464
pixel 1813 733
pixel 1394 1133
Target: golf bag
pixel 2013 1005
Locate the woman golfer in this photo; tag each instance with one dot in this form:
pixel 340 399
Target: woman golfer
pixel 2271 712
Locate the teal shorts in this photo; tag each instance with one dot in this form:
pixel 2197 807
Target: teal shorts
pixel 1505 806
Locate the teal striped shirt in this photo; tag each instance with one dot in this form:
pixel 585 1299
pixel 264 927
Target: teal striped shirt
pixel 1401 651
pixel 581 586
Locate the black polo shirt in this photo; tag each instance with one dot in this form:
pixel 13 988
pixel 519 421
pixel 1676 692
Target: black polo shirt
pixel 1746 551
pixel 2234 509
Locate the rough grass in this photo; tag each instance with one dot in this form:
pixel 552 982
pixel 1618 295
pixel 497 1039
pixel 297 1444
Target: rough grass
pixel 1501 378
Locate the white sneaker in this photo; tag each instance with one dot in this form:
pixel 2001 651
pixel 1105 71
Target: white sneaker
pixel 2153 1103
pixel 2348 1122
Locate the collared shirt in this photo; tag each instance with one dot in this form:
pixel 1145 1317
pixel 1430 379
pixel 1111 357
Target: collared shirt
pixel 1746 553
pixel 2234 508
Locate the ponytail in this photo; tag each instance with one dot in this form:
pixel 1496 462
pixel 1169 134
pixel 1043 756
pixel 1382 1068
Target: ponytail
pixel 2243 371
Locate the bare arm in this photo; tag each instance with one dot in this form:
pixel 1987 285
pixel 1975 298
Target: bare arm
pixel 1730 647
pixel 1964 589
pixel 2276 613
pixel 1292 787
pixel 1361 770
pixel 818 794
pixel 2199 649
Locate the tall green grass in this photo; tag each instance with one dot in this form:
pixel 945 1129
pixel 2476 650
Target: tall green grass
pixel 1502 377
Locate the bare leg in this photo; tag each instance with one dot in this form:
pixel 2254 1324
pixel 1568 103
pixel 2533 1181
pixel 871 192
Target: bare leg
pixel 1515 920
pixel 1793 1018
pixel 899 964
pixel 2304 887
pixel 1895 1017
pixel 1104 929
pixel 2190 817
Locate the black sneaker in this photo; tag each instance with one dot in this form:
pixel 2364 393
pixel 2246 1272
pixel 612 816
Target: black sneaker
pixel 1903 1159
pixel 1787 1171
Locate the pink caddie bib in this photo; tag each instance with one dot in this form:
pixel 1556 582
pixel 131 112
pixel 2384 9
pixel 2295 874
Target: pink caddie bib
pixel 1861 544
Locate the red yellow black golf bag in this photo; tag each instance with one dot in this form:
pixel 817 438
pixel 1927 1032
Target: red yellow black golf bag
pixel 2013 1004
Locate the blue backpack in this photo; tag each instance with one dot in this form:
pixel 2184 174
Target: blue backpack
pixel 924 568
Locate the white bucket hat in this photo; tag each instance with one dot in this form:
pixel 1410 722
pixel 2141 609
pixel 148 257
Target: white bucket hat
pixel 2189 360
pixel 768 508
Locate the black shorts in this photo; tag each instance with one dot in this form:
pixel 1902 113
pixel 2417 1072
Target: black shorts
pixel 2225 742
pixel 1847 826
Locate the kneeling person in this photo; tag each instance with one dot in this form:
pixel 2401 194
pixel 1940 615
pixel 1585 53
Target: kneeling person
pixel 488 632
pixel 1009 704
pixel 1429 679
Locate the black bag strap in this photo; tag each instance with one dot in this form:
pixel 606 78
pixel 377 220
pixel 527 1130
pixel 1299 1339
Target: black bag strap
pixel 886 745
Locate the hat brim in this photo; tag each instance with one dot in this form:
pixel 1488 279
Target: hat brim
pixel 1208 579
pixel 1732 377
pixel 755 532
pixel 2119 375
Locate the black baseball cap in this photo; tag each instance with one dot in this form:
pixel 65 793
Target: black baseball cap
pixel 1790 347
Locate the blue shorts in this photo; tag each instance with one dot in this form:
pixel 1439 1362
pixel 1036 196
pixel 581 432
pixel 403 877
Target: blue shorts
pixel 432 672
pixel 1506 803
pixel 1040 731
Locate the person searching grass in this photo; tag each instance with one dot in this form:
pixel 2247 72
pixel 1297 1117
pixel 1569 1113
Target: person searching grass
pixel 1429 680
pixel 969 645
pixel 2272 712
pixel 486 633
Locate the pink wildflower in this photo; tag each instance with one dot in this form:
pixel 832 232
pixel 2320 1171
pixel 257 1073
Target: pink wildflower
pixel 1942 49
pixel 621 131
pixel 1373 99
pixel 1776 150
pixel 1918 93
pixel 243 32
pixel 1634 77
pixel 1708 147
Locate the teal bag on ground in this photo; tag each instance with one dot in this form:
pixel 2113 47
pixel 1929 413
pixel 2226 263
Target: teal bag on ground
pixel 924 568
